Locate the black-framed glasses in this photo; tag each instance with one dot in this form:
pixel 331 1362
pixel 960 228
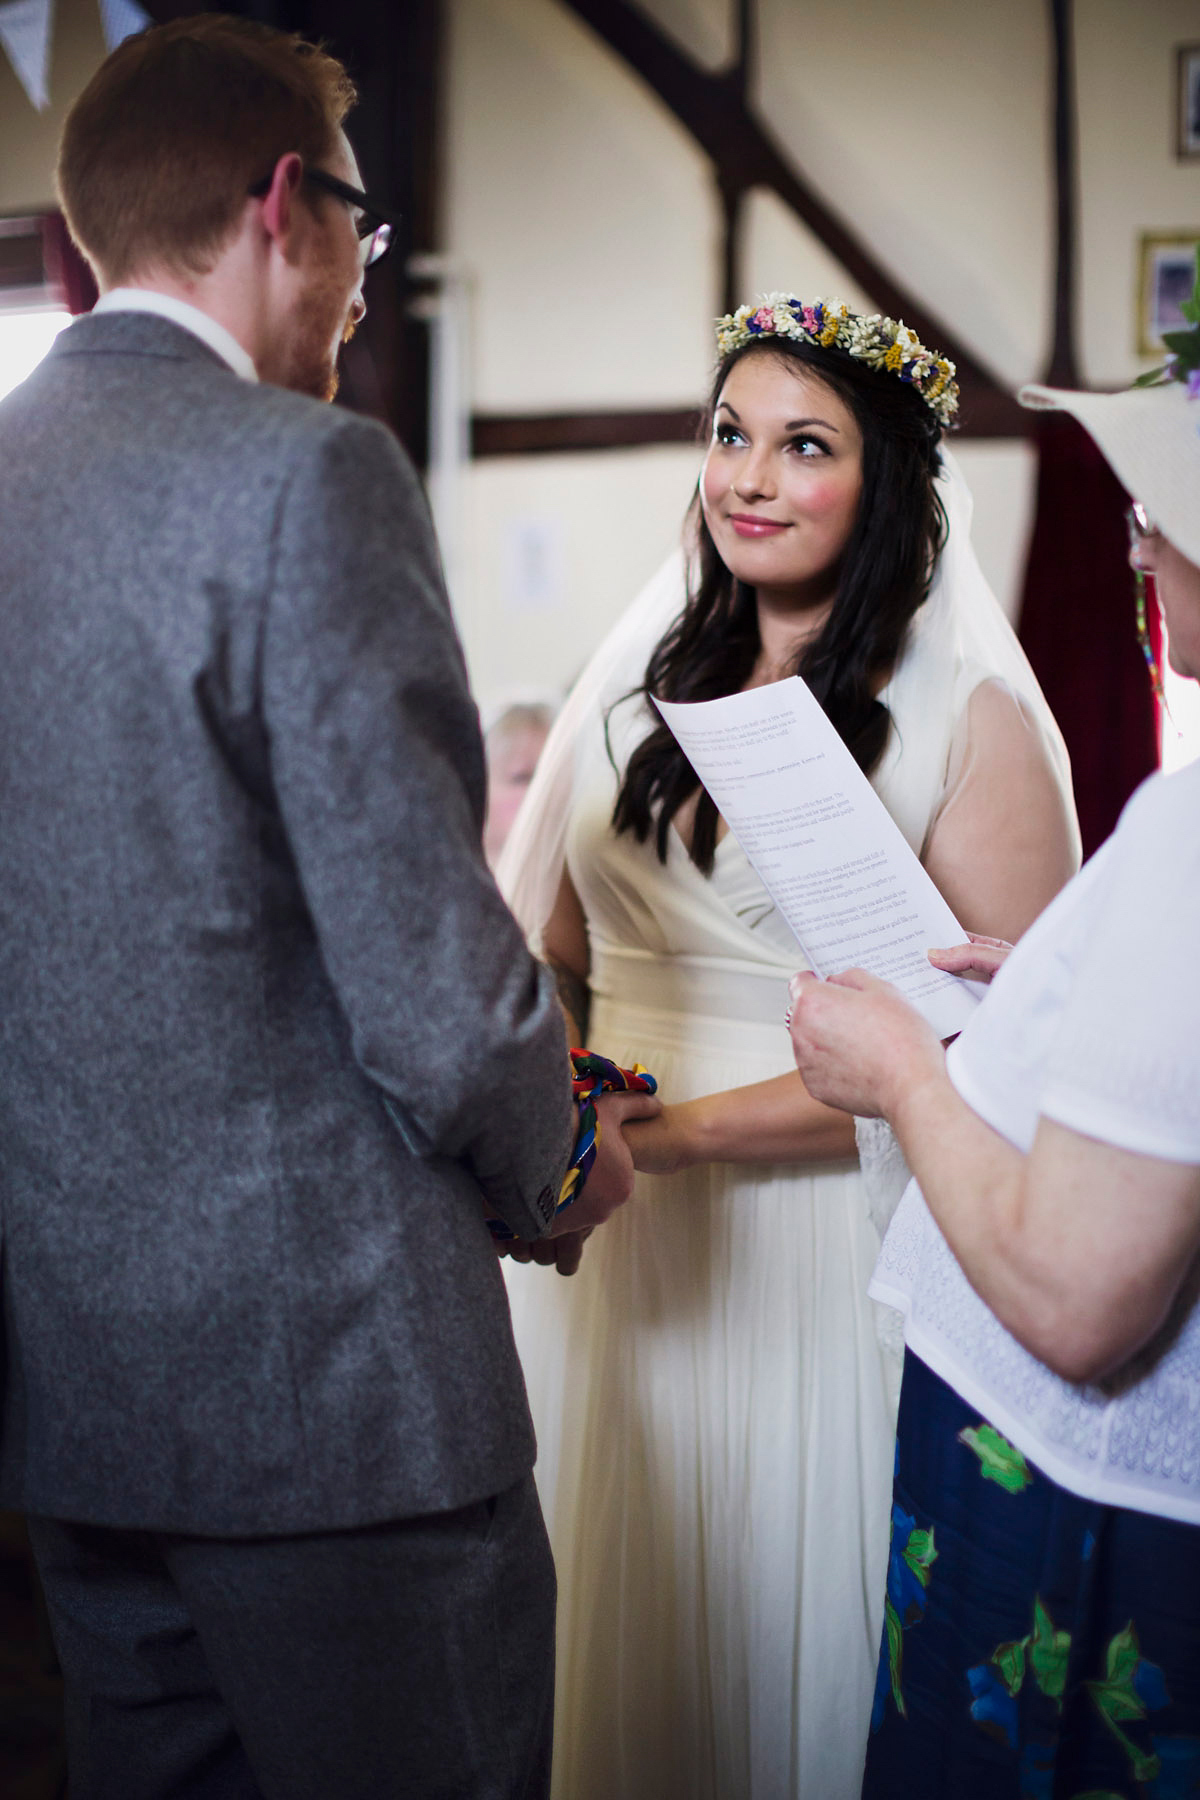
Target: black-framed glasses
pixel 1139 525
pixel 376 225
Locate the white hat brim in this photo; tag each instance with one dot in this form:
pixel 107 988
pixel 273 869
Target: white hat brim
pixel 1151 438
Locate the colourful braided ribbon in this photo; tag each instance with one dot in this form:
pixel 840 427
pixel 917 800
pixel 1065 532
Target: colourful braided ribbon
pixel 591 1076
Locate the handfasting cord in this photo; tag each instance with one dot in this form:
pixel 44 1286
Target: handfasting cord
pixel 591 1076
pixel 1143 631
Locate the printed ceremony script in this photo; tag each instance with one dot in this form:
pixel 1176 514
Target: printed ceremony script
pixel 822 842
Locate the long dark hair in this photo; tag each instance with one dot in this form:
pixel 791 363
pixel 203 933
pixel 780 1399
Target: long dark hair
pixel 886 569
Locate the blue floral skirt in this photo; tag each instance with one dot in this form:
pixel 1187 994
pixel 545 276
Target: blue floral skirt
pixel 1034 1644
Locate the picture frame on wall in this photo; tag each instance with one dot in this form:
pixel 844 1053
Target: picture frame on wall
pixel 1187 103
pixel 1166 275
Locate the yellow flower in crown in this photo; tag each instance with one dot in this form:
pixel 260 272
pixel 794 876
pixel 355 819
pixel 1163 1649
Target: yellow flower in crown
pixel 882 343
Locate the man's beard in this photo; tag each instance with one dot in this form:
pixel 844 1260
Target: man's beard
pixel 309 365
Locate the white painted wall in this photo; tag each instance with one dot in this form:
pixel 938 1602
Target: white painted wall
pixel 584 212
pixel 1130 180
pixel 28 138
pixel 587 222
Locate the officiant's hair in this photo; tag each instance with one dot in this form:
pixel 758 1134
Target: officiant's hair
pixel 887 566
pixel 160 149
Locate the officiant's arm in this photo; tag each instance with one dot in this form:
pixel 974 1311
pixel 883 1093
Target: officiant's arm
pixel 1080 1248
pixel 1006 839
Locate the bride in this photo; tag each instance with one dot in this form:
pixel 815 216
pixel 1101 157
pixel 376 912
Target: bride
pixel 713 1399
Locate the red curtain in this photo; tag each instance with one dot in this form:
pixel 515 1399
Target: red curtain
pixel 67 274
pixel 1078 625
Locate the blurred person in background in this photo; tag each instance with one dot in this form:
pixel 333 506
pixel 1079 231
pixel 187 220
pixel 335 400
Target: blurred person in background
pixel 270 1039
pixel 513 740
pixel 1043 1592
pixel 713 1403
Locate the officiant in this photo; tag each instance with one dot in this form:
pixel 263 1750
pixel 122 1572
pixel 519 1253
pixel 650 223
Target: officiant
pixel 1043 1597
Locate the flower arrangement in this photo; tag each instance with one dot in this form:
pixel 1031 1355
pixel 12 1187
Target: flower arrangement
pixel 885 344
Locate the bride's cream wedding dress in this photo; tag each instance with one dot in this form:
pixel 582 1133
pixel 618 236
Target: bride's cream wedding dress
pixel 713 1405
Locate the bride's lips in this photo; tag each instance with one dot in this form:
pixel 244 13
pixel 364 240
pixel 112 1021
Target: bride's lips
pixel 749 525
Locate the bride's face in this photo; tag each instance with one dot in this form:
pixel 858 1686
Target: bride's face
pixel 782 480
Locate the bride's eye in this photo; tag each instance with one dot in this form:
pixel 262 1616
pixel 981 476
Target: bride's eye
pixel 727 434
pixel 809 446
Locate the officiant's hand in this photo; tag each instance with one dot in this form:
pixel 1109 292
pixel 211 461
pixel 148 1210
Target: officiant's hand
pixel 858 1044
pixel 979 958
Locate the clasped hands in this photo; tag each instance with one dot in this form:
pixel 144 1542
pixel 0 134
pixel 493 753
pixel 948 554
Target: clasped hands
pixel 859 1046
pixel 609 1185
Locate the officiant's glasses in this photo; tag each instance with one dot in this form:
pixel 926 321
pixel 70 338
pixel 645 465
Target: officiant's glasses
pixel 376 225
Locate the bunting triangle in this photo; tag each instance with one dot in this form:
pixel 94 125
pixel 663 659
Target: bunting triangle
pixel 25 34
pixel 122 19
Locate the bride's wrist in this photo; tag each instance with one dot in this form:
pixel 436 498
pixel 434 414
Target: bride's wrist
pixel 695 1133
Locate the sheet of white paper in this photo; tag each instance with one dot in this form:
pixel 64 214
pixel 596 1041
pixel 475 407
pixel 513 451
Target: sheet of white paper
pixel 822 842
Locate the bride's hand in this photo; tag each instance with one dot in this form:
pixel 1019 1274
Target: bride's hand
pixel 979 959
pixel 664 1145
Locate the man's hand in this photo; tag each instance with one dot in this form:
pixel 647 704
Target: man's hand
pixel 563 1253
pixel 610 1182
pixel 608 1186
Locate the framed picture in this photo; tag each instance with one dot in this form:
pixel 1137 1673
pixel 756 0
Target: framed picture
pixel 1187 103
pixel 1166 274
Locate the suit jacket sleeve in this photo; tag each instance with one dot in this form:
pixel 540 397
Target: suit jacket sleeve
pixel 378 770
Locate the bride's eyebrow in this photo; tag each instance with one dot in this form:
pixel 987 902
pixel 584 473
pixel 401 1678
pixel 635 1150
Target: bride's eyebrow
pixel 792 424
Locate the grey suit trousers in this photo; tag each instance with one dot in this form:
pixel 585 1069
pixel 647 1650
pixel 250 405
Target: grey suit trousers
pixel 400 1662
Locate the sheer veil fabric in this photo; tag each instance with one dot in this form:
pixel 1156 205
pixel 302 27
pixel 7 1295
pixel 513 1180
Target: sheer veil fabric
pixel 713 1404
pixel 959 638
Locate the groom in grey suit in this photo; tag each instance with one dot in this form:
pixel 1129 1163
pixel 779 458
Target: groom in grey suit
pixel 271 1045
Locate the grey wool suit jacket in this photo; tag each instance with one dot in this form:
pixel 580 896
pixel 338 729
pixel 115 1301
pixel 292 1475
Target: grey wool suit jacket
pixel 269 1037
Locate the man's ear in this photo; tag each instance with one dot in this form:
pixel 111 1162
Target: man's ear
pixel 280 199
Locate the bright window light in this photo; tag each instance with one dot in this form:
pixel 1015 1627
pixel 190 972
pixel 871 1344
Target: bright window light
pixel 25 338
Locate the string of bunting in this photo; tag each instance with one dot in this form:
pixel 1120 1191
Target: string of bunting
pixel 591 1076
pixel 27 29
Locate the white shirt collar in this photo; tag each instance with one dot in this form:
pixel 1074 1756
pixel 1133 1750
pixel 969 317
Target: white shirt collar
pixel 200 324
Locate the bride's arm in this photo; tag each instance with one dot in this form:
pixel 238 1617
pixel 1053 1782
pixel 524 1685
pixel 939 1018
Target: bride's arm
pixel 565 949
pixel 1005 840
pixel 1003 844
pixel 775 1121
pixel 770 1121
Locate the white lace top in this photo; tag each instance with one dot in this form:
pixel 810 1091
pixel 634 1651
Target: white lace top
pixel 1094 1022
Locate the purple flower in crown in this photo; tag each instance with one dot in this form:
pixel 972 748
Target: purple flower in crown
pixel 812 322
pixel 762 320
pixel 1193 385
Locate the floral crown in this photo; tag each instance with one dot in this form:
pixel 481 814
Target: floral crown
pixel 1183 362
pixel 885 344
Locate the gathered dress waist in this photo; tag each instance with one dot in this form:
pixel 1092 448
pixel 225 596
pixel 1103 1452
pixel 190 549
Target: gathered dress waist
pixel 690 986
